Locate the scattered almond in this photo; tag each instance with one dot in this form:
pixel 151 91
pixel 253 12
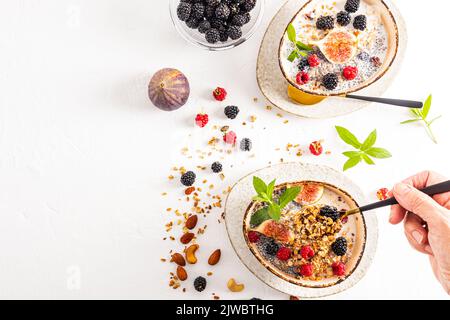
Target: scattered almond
pixel 187 237
pixel 178 259
pixel 181 273
pixel 191 222
pixel 214 258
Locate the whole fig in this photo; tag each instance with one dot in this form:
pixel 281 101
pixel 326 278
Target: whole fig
pixel 169 89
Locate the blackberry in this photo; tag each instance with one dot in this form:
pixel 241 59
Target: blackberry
pixel 184 11
pixel 212 35
pixel 216 167
pixel 239 20
pixel 325 23
pixel 223 35
pixel 231 112
pixel 235 32
pixel 343 18
pixel 227 2
pixel 200 284
pixel 204 26
pixel 271 248
pixel 303 64
pixel 247 18
pixel 213 3
pixel 360 22
pixel 339 246
pixel 330 81
pixel 222 11
pixel 246 144
pixel 238 1
pixel 216 23
pixel 193 23
pixel 234 9
pixel 188 179
pixel 330 212
pixel 352 6
pixel 210 11
pixel 198 10
pixel 248 5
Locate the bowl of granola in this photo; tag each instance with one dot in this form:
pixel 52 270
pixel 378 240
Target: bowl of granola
pixel 287 223
pixel 335 47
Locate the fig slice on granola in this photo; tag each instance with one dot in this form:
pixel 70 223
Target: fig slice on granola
pixel 276 231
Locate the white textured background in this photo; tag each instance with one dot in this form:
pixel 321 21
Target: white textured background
pixel 84 156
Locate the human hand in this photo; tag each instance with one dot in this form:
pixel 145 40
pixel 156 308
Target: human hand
pixel 426 221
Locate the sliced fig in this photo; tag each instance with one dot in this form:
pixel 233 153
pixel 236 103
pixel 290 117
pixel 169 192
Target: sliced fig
pixel 310 193
pixel 276 231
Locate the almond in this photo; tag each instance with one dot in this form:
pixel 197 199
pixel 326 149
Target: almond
pixel 178 259
pixel 214 258
pixel 191 222
pixel 189 190
pixel 181 273
pixel 187 237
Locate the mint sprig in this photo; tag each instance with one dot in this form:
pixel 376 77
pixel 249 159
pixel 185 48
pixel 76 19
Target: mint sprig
pixel 300 49
pixel 364 151
pixel 422 116
pixel 273 207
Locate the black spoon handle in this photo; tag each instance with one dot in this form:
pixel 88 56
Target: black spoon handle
pixel 430 190
pixel 395 102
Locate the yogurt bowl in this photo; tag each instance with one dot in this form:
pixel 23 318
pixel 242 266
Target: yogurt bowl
pixel 373 50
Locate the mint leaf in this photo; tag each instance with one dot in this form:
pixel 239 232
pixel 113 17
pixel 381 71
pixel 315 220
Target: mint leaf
pixel 289 195
pixel 352 162
pixel 259 185
pixel 294 55
pixel 275 211
pixel 410 121
pixel 348 137
pixel 260 216
pixel 270 188
pixel 427 106
pixel 301 46
pixel 370 141
pixel 292 34
pixel 258 198
pixel 351 154
pixel 367 159
pixel 379 153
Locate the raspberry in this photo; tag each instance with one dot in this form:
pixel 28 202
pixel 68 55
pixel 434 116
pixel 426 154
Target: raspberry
pixel 302 78
pixel 313 60
pixel 350 73
pixel 316 148
pixel 220 94
pixel 284 253
pixel 338 268
pixel 307 252
pixel 253 236
pixel 306 270
pixel 230 137
pixel 201 120
pixel 382 194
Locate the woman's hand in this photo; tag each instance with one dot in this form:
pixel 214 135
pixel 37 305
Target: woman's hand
pixel 426 221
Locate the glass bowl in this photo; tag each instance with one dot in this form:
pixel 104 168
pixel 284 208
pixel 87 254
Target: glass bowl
pixel 198 39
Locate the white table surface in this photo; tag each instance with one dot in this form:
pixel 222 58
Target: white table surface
pixel 84 156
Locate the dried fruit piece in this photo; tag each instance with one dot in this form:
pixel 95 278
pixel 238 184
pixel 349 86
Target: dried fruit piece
pixel 310 193
pixel 276 231
pixel 316 148
pixel 234 286
pixel 191 222
pixel 382 194
pixel 214 258
pixel 181 273
pixel 178 259
pixel 190 254
pixel 187 237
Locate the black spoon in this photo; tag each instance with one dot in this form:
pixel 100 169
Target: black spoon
pixel 430 190
pixel 395 102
